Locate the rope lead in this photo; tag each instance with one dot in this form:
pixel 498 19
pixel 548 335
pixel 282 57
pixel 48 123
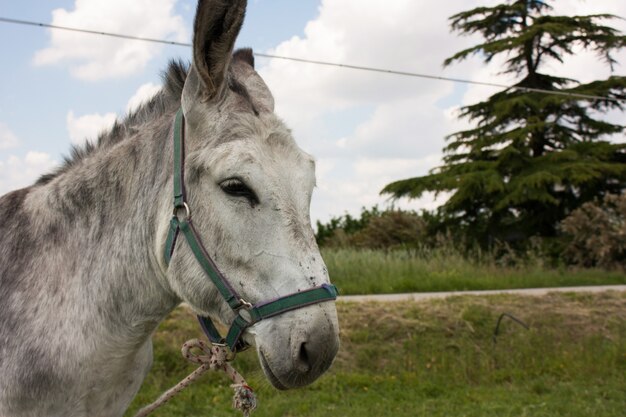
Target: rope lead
pixel 212 357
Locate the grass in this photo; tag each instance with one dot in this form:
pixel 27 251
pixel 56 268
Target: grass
pixel 434 358
pixel 379 272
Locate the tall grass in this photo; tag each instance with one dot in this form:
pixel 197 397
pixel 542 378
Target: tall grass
pixel 366 271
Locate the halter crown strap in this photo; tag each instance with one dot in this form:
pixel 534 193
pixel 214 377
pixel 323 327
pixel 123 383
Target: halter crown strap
pixel 179 159
pixel 247 314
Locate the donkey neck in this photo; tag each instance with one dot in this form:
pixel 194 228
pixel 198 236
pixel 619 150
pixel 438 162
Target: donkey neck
pixel 107 211
pixel 84 284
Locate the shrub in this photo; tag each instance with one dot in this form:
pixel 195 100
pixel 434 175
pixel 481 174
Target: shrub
pixel 374 229
pixel 596 233
pixel 343 225
pixel 391 229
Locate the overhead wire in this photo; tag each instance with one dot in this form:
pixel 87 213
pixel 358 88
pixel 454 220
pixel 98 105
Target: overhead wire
pixel 325 63
pixel 92 32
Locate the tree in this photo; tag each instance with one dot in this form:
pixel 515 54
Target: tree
pixel 531 158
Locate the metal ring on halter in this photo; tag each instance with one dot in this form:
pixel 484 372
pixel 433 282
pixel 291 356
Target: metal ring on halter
pixel 187 211
pixel 230 355
pixel 245 304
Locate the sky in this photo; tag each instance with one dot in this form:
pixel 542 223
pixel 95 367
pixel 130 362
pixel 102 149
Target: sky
pixel 365 129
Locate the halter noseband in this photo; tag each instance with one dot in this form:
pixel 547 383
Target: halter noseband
pixel 256 312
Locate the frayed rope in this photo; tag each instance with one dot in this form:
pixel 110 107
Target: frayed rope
pixel 212 357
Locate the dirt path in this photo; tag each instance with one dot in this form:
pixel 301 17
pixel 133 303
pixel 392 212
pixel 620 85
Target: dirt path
pixel 445 294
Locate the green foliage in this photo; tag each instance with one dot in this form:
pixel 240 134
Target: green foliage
pixel 531 158
pixel 596 233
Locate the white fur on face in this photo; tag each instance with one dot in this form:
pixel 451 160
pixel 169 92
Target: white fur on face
pixel 266 249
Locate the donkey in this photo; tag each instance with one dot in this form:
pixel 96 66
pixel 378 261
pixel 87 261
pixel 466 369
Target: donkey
pixel 84 279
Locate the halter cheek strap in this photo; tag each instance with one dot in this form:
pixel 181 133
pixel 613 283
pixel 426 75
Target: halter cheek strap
pixel 181 222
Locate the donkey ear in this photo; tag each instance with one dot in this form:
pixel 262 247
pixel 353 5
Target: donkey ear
pixel 216 27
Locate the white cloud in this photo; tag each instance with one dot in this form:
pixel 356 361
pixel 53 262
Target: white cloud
pixel 92 57
pixel 400 128
pixel 143 94
pixel 403 132
pixel 8 139
pixel 386 169
pixel 376 34
pixel 348 185
pixel 88 127
pixel 18 172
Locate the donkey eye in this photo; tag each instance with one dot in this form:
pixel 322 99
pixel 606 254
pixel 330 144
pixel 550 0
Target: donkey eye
pixel 237 188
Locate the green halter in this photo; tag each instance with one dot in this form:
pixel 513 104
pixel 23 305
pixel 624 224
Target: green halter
pixel 256 312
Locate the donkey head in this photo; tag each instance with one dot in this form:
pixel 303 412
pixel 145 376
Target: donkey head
pixel 249 186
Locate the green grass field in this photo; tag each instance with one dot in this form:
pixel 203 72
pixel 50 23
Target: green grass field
pixel 434 358
pixel 379 272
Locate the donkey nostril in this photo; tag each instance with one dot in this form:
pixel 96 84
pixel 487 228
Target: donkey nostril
pixel 304 363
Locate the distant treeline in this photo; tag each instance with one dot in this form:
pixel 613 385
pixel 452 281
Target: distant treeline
pixel 594 235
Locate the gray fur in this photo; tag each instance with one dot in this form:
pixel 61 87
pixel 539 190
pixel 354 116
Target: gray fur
pixel 83 283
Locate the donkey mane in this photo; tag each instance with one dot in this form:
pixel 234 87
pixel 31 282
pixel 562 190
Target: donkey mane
pixel 168 99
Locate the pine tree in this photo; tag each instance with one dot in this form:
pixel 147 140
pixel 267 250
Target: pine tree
pixel 532 157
